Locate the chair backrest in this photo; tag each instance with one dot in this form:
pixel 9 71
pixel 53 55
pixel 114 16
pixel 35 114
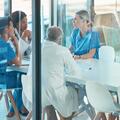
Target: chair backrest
pixel 99 97
pixel 107 54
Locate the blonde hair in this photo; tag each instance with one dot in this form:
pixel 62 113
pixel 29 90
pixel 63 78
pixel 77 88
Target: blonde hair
pixel 83 14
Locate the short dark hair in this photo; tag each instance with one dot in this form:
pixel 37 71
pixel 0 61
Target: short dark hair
pixel 17 16
pixel 4 21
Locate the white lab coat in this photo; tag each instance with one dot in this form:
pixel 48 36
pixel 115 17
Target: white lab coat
pixel 55 60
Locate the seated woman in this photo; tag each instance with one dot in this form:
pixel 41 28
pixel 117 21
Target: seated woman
pixel 85 42
pixel 22 33
pixel 13 57
pixel 19 20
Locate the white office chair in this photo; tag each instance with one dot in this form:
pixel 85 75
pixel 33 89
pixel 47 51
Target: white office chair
pixel 106 54
pixel 100 98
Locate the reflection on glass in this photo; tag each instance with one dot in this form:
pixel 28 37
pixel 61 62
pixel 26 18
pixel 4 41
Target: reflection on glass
pixel 102 6
pixel 1 8
pixel 45 19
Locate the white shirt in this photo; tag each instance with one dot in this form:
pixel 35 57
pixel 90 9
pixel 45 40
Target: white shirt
pixel 23 45
pixel 55 60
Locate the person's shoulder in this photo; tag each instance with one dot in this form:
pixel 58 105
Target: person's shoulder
pixel 4 48
pixel 94 31
pixel 3 43
pixel 74 33
pixel 63 49
pixel 75 30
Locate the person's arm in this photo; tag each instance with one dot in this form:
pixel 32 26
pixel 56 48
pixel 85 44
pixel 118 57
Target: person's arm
pixel 17 59
pixel 94 45
pixel 26 35
pixel 72 39
pixel 70 64
pixel 90 54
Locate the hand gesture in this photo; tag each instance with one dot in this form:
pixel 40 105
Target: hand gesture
pixel 14 40
pixel 76 57
pixel 26 35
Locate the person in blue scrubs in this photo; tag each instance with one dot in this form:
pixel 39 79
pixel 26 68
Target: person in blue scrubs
pixel 85 41
pixel 12 57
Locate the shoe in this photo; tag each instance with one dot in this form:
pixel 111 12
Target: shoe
pixel 10 114
pixel 24 111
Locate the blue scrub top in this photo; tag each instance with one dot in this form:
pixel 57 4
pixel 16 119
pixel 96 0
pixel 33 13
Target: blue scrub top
pixel 82 45
pixel 6 51
pixel 11 78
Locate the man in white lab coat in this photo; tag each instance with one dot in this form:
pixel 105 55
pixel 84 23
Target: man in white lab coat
pixel 56 62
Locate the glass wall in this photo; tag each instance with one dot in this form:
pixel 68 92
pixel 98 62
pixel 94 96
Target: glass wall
pixel 66 12
pixel 25 6
pixel 110 10
pixel 1 8
pixel 107 22
pixel 45 19
pixel 102 6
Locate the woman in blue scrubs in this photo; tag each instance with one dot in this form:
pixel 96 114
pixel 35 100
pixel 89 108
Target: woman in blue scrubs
pixel 13 80
pixel 85 41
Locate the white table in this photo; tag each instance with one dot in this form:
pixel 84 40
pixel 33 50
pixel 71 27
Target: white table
pixel 107 74
pixel 23 68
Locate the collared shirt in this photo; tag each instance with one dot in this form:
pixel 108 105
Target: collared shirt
pixel 83 44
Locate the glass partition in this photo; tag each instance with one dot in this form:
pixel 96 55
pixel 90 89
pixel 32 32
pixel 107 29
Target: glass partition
pixel 1 8
pixel 66 12
pixel 102 6
pixel 107 22
pixel 45 19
